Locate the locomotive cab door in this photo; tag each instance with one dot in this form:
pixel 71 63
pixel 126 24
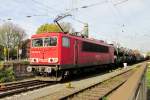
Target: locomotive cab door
pixel 76 52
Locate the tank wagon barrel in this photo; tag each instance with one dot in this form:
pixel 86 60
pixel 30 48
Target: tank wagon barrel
pixel 125 55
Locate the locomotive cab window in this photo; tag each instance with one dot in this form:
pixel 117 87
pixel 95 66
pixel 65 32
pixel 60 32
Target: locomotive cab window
pixel 37 42
pixel 66 42
pixel 40 42
pixel 52 41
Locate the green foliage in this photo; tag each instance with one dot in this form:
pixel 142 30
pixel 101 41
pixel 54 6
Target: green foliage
pixel 25 62
pixel 11 36
pixel 6 70
pixel 48 28
pixel 7 75
pixel 104 98
pixel 1 52
pixel 148 77
pixel 1 65
pixel 67 27
pixel 13 53
pixel 11 63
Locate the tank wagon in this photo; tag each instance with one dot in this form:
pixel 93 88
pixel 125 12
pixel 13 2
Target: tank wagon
pixel 124 55
pixel 55 55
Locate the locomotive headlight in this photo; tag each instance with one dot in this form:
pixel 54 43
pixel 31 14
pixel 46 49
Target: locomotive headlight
pixel 53 60
pixel 50 60
pixel 34 60
pixel 48 69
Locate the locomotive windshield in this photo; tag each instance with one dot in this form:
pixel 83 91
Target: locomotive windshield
pixel 44 42
pixel 37 42
pixel 52 41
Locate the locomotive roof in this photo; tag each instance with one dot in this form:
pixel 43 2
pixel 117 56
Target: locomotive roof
pixel 72 36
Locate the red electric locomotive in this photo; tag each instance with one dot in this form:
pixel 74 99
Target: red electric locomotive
pixel 58 54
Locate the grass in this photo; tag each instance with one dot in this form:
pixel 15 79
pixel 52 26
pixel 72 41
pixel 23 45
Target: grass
pixel 148 76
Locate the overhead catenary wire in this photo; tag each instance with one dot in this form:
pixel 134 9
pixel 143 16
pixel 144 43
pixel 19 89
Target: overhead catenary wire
pixel 46 7
pixel 120 2
pixel 41 5
pixel 73 8
pixel 87 6
pixel 27 14
pixel 124 24
pixel 95 4
pixel 36 5
pixel 75 19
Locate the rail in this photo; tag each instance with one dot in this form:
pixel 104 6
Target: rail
pixel 23 86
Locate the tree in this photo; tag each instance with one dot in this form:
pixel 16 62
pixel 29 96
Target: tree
pixel 54 28
pixel 48 28
pixel 11 36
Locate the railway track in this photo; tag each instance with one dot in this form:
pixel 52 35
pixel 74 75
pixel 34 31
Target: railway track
pixel 100 90
pixel 92 88
pixel 18 87
pixel 97 87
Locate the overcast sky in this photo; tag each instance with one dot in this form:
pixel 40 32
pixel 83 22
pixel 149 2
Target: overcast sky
pixel 123 21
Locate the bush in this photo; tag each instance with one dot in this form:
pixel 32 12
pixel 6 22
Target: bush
pixel 25 62
pixel 7 75
pixel 1 65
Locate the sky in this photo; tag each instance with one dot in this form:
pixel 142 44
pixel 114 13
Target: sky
pixel 126 22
